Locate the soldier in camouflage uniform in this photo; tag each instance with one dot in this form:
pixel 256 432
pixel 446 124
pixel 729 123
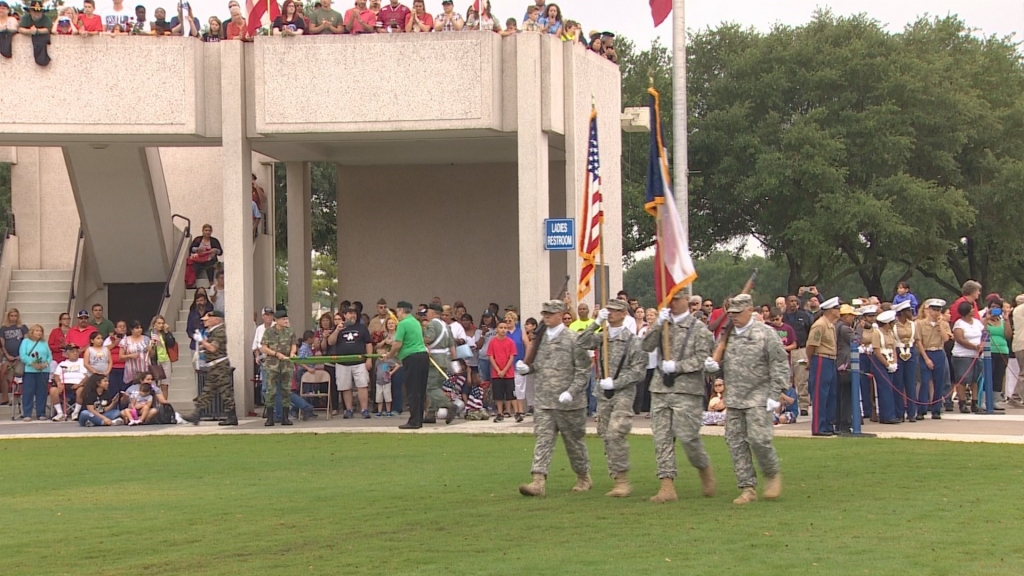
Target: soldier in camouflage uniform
pixel 560 400
pixel 755 368
pixel 279 344
pixel 677 395
pixel 218 372
pixel 440 345
pixel 627 366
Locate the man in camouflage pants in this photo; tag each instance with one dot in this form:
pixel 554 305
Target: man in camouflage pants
pixel 279 344
pixel 218 371
pixel 677 395
pixel 560 401
pixel 438 338
pixel 755 367
pixel 627 367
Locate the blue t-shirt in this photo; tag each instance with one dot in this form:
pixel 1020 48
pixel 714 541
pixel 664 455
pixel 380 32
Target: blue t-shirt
pixel 909 296
pixel 517 339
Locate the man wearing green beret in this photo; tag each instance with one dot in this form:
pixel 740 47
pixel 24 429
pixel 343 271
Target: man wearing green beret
pixel 214 343
pixel 279 344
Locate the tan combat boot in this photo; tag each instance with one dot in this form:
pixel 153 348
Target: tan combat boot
pixel 622 487
pixel 535 488
pixel 772 487
pixel 707 481
pixel 748 495
pixel 583 483
pixel 667 493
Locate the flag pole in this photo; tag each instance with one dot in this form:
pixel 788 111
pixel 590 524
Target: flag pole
pixel 680 158
pixel 601 268
pixel 661 256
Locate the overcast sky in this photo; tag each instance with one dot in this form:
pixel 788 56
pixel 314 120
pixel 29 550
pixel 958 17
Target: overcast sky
pixel 633 17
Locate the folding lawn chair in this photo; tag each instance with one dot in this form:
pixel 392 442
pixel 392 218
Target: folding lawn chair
pixel 310 387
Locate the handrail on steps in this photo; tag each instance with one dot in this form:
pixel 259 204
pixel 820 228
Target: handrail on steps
pixel 186 233
pixel 74 270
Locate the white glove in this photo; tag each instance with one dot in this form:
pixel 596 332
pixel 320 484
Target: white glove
pixel 602 315
pixel 861 349
pixel 663 316
pixel 522 368
pixel 710 365
pixel 892 368
pixel 198 337
pixel 771 405
pixel 668 366
pixel 607 384
pixel 565 397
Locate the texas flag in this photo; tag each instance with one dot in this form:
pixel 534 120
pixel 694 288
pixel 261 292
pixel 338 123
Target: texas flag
pixel 660 9
pixel 261 13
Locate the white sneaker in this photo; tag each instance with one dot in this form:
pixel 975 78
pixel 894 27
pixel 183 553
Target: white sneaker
pixel 59 417
pixel 74 413
pixel 116 422
pixel 179 419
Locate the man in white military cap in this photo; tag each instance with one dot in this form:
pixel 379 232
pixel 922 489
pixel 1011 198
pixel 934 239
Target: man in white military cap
pixel 933 333
pixel 822 349
pixel 908 354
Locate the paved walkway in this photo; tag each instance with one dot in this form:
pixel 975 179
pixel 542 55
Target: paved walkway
pixel 1005 428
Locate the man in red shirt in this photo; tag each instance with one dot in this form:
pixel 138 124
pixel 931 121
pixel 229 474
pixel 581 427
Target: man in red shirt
pixel 360 20
pixel 79 335
pixel 970 291
pixel 501 353
pixel 88 21
pixel 391 18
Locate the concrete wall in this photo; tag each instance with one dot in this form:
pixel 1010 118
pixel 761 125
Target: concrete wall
pixel 453 235
pixel 44 206
pixel 106 85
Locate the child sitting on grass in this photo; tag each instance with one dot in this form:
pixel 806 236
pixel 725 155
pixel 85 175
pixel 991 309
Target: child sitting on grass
pixel 475 402
pixel 787 411
pixel 715 414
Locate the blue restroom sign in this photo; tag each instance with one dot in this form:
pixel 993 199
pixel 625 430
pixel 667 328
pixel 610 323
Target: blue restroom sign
pixel 559 234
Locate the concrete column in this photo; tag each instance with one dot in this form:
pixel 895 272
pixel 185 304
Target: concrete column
pixel 237 235
pixel 575 165
pixel 532 144
pixel 264 265
pixel 300 247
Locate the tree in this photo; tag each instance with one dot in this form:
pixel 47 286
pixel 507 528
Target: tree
pixel 325 280
pixel 323 208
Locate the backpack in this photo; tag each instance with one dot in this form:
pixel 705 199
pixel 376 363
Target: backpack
pixel 165 414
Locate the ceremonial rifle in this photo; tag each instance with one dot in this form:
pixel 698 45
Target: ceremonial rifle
pixel 531 352
pixel 724 341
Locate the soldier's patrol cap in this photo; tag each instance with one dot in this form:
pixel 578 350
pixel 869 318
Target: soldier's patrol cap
pixel 846 309
pixel 281 314
pixel 740 302
pixel 679 295
pixel 268 310
pixel 869 310
pixel 886 317
pixel 553 307
pixel 404 305
pixel 935 303
pixel 214 314
pixel 435 307
pixel 830 303
pixel 618 305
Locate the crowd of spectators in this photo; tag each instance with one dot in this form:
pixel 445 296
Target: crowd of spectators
pixel 294 19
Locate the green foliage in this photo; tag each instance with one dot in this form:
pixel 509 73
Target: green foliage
pixel 325 280
pixel 323 208
pixel 5 196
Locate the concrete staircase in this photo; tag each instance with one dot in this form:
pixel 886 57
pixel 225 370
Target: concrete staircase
pixel 40 296
pixel 183 377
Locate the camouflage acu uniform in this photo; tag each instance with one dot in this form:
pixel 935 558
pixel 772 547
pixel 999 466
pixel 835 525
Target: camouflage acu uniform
pixel 615 414
pixel 561 365
pixel 439 348
pixel 279 372
pixel 218 375
pixel 755 368
pixel 677 401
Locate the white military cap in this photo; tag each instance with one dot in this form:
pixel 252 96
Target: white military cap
pixel 905 305
pixel 886 317
pixel 935 303
pixel 830 303
pixel 869 310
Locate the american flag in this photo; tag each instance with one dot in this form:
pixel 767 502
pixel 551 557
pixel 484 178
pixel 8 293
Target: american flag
pixel 593 213
pixel 673 269
pixel 261 13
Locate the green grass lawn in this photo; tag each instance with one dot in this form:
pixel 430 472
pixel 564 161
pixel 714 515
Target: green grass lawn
pixel 447 504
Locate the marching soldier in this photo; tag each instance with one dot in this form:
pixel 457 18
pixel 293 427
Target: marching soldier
pixel 560 402
pixel 438 338
pixel 627 364
pixel 677 395
pixel 218 371
pixel 279 344
pixel 822 351
pixel 755 368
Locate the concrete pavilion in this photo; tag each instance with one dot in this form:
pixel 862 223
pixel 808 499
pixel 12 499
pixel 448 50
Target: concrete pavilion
pixel 451 149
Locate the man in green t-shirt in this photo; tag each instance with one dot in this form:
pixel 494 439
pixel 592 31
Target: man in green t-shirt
pixel 35 20
pixel 102 325
pixel 326 21
pixel 410 350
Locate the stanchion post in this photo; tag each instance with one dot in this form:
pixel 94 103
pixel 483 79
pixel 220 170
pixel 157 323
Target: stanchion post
pixel 987 364
pixel 855 384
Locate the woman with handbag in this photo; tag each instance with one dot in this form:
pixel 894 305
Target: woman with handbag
pixel 135 351
pixel 11 333
pixel 160 354
pixel 59 337
pixel 35 356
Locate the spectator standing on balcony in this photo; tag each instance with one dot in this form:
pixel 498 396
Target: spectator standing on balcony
pixel 35 354
pixel 177 23
pixel 511 28
pixel 487 20
pixel 59 337
pixel 236 28
pixel 135 350
pixel 65 24
pixel 551 21
pixel 449 19
pixel 9 18
pixel 391 17
pixel 539 5
pixel 216 32
pixel 161 27
pixel 37 24
pixel 532 21
pixel 289 23
pixel 206 250
pixel 89 23
pixel 139 26
pixel 571 32
pixel 361 20
pixel 119 14
pixel 326 20
pixel 419 20
pixel 472 19
pixel 101 324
